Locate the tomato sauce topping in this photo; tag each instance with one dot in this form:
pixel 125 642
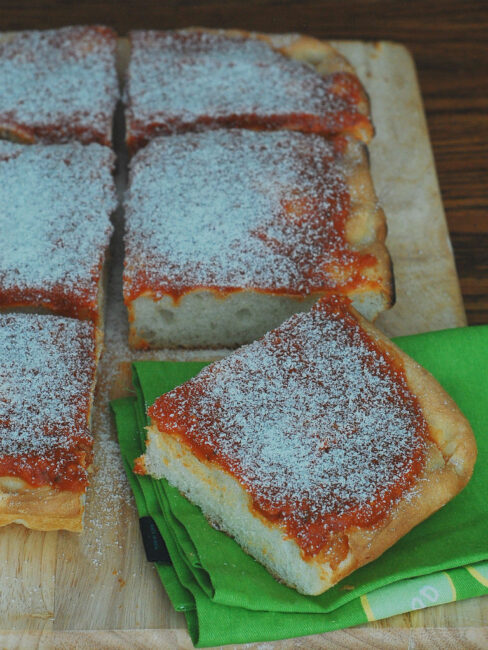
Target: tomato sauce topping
pixel 62 84
pixel 186 80
pixel 315 420
pixel 55 206
pixel 232 210
pixel 46 378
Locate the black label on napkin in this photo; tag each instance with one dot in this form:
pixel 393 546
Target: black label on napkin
pixel 154 545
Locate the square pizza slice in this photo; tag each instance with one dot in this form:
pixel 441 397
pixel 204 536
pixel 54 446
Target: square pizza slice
pixel 58 85
pixel 55 207
pixel 316 447
pixel 47 380
pixel 198 79
pixel 228 232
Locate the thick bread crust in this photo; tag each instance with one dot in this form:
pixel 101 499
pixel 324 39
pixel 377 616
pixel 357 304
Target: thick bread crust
pixel 156 322
pixel 450 457
pixel 296 46
pixel 366 231
pixel 42 508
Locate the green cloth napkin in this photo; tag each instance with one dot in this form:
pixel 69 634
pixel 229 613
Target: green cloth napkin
pixel 227 597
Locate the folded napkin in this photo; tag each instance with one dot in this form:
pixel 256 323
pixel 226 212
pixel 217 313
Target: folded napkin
pixel 227 597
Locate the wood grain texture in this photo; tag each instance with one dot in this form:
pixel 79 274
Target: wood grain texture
pixel 27 578
pixel 355 639
pixel 407 187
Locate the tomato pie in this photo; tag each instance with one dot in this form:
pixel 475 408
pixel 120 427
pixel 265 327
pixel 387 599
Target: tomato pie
pixel 316 447
pixel 47 381
pixel 58 85
pixel 229 232
pixel 198 79
pixel 55 207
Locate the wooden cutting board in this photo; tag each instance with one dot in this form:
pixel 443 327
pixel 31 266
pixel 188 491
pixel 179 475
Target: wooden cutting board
pixel 97 589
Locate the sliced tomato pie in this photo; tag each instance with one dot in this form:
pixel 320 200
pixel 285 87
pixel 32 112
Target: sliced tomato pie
pixel 316 447
pixel 198 79
pixel 58 85
pixel 47 381
pixel 55 207
pixel 228 232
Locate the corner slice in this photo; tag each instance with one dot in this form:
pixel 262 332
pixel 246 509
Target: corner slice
pixel 62 85
pixel 47 380
pixel 316 448
pixel 229 232
pixel 198 79
pixel 55 207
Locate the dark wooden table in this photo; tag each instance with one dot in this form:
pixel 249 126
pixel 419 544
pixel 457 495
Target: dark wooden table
pixel 448 39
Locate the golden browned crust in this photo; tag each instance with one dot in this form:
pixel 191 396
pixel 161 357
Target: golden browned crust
pixel 296 46
pixel 16 134
pixel 42 508
pixel 366 228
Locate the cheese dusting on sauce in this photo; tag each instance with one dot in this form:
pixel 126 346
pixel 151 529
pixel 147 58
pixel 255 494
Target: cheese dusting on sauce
pixel 46 376
pixel 315 420
pixel 240 209
pixel 180 81
pixel 55 206
pixel 59 85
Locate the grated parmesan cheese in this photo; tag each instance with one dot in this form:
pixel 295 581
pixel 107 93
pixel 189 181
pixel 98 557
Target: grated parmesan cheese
pixel 55 204
pixel 312 419
pixel 46 377
pixel 59 84
pixel 237 209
